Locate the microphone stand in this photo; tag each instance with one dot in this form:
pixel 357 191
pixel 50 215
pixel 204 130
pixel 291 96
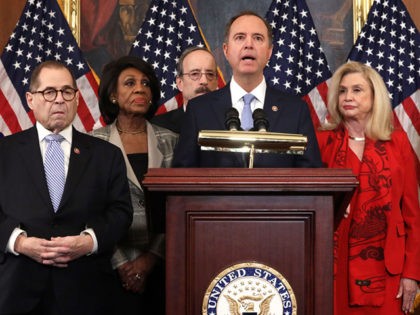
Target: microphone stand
pixel 261 125
pixel 251 156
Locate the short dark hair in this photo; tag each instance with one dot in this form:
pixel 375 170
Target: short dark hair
pixel 51 64
pixel 252 13
pixel 185 53
pixel 109 82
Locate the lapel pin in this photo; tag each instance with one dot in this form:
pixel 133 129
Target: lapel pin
pixel 76 150
pixel 274 108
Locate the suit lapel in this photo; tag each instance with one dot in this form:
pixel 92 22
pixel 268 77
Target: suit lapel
pixel 32 159
pixel 222 101
pixel 155 157
pixel 177 115
pixel 80 155
pixel 115 139
pixel 272 107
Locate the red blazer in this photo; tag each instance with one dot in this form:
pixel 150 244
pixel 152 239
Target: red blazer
pixel 402 245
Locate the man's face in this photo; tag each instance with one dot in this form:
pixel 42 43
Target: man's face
pixel 196 62
pixel 57 114
pixel 248 48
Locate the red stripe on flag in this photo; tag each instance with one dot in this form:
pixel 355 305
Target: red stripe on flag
pixel 84 115
pixel 101 119
pixel 9 115
pixel 32 116
pixel 179 99
pixel 161 110
pixel 314 115
pixel 398 126
pixel 220 80
pixel 412 112
pixel 92 81
pixel 323 91
pixel 396 122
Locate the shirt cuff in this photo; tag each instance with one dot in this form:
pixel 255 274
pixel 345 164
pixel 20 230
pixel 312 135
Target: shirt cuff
pixel 95 241
pixel 12 240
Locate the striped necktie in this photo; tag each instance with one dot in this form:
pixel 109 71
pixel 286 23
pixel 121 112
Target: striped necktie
pixel 54 168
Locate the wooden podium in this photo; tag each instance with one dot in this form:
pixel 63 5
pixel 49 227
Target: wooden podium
pixel 216 218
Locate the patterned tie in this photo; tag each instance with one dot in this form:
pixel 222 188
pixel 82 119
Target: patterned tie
pixel 54 168
pixel 246 117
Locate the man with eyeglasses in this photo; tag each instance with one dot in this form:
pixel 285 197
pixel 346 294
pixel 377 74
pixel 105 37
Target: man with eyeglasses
pixel 247 47
pixel 64 204
pixel 196 75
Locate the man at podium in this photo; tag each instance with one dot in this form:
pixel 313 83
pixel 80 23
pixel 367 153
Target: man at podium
pixel 247 47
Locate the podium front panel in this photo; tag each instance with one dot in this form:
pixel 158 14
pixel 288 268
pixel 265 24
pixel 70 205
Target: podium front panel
pixel 207 234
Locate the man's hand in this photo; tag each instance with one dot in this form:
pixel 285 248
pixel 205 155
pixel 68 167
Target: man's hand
pixel 32 247
pixel 58 251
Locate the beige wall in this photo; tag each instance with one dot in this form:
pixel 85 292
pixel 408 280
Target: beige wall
pixel 10 12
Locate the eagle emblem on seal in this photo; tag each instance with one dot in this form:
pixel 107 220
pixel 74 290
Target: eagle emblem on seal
pixel 249 305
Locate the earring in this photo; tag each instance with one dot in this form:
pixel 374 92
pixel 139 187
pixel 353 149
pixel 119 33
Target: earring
pixel 114 101
pixel 150 102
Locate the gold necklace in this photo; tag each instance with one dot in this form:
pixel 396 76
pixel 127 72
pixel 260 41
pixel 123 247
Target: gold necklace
pixel 130 132
pixel 357 138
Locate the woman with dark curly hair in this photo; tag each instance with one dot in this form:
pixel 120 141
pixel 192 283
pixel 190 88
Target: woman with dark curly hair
pixel 377 247
pixel 128 96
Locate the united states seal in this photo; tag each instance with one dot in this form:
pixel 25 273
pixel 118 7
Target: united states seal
pixel 249 288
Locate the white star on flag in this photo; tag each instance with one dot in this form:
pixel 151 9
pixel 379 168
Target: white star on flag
pixel 298 65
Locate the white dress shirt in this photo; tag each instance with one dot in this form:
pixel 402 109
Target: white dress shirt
pixel 237 93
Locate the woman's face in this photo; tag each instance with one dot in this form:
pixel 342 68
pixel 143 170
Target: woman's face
pixel 133 92
pixel 355 97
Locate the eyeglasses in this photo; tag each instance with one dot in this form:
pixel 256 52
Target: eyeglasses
pixel 196 75
pixel 50 95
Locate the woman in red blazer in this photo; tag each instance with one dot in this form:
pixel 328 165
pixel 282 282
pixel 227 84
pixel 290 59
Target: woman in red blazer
pixel 377 247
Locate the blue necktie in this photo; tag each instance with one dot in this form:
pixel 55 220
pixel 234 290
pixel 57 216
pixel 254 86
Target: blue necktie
pixel 246 118
pixel 54 168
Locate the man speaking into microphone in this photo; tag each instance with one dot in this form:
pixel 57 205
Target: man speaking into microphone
pixel 247 47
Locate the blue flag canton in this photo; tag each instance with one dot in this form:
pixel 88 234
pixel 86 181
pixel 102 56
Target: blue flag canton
pixel 42 33
pixel 390 43
pixel 298 63
pixel 168 29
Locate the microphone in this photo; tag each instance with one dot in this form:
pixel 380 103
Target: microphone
pixel 232 122
pixel 260 122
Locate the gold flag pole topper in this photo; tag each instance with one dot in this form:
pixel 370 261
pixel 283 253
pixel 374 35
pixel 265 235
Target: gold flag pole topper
pixel 252 142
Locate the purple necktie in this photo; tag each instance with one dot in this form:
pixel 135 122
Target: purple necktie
pixel 246 118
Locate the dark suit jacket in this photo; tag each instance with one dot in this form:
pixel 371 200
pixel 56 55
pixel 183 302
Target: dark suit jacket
pixel 96 196
pixel 171 120
pixel 285 113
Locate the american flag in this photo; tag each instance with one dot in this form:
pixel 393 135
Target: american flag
pixel 298 64
pixel 390 43
pixel 168 29
pixel 42 33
